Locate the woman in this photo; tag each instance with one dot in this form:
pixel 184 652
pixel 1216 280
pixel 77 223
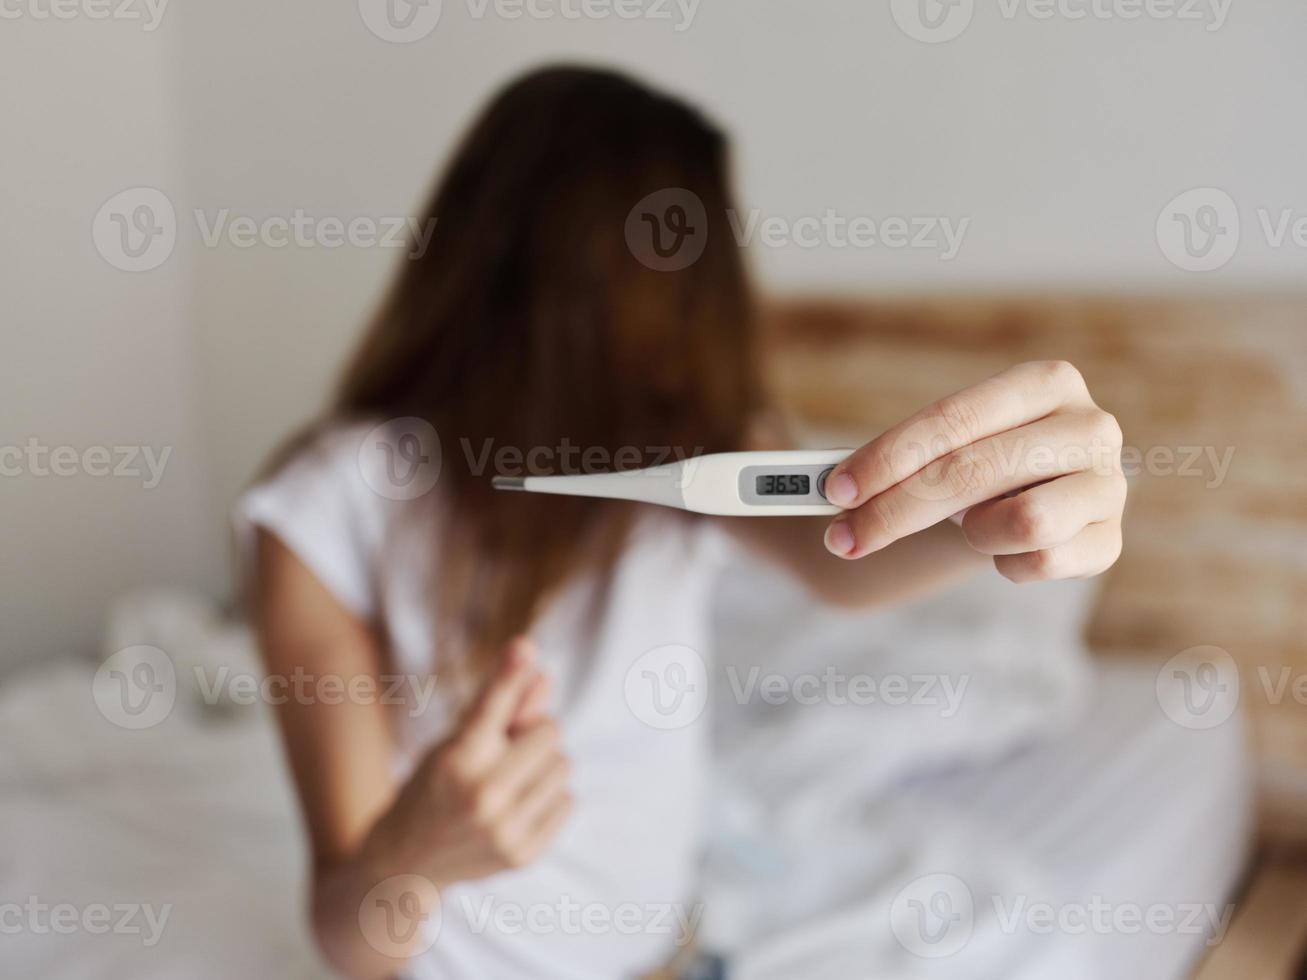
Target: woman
pixel 451 838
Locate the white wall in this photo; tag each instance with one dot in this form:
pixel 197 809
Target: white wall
pixel 93 356
pixel 1061 140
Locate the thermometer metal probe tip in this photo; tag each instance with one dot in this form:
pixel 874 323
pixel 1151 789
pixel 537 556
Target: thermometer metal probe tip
pixel 508 482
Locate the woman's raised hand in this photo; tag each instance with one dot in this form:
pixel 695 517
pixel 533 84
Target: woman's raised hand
pixel 491 796
pixel 1028 460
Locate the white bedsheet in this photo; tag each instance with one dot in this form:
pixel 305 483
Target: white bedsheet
pixel 1058 782
pixel 825 811
pixel 193 817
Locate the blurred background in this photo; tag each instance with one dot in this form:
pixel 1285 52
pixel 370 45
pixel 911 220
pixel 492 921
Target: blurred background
pixel 928 192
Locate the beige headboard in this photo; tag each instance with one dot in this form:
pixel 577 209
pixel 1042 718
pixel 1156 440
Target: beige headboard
pixel 1207 560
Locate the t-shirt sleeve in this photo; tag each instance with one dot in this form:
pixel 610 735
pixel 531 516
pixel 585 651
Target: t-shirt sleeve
pixel 317 506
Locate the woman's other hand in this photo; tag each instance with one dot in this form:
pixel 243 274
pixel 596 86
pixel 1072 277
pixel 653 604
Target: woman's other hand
pixel 492 796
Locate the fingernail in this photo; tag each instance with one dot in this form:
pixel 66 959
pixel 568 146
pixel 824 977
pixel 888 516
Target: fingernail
pixel 839 538
pixel 841 490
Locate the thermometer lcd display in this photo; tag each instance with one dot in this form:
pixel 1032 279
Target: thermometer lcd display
pixel 782 485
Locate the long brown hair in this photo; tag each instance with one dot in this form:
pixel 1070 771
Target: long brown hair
pixel 529 321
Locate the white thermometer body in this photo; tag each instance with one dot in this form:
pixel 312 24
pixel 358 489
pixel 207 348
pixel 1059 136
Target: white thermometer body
pixel 752 484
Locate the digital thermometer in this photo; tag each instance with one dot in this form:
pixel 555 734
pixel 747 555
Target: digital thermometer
pixel 754 484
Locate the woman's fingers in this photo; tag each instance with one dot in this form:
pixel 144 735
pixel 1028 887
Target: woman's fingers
pixel 540 814
pixel 536 813
pixel 533 706
pixel 494 709
pixel 975 473
pixel 1090 552
pixel 1016 397
pixel 1046 515
pixel 529 754
pixel 542 794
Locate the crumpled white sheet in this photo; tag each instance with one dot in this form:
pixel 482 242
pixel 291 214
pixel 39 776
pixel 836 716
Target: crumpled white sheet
pixel 832 819
pixel 192 815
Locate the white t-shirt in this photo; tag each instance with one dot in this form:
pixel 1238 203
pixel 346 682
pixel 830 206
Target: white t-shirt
pixel 610 897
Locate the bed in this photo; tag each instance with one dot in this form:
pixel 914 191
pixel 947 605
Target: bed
pixel 1054 778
